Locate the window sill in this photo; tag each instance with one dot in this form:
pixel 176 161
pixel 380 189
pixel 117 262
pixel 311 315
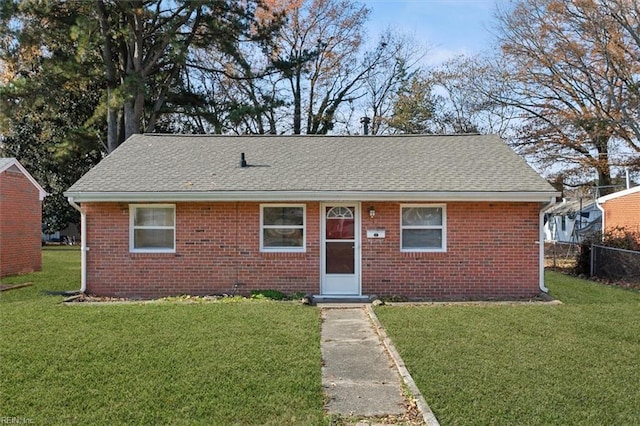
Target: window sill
pixel 135 254
pixel 422 252
pixel 283 253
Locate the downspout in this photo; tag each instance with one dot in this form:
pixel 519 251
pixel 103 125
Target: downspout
pixel 599 206
pixel 544 208
pixel 83 244
pixel 602 234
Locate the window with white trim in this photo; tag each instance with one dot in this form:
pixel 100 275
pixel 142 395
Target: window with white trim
pixel 423 227
pixel 282 227
pixel 152 228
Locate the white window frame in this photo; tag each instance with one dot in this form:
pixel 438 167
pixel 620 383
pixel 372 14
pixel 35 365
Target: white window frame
pixel 132 228
pixel 442 227
pixel 284 249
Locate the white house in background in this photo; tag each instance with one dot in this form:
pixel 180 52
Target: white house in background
pixel 571 220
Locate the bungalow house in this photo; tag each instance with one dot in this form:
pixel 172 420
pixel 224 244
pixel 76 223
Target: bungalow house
pixel 621 210
pixel 437 217
pixel 20 218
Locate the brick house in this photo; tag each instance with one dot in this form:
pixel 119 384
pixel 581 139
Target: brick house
pixel 621 210
pixel 20 219
pixel 424 217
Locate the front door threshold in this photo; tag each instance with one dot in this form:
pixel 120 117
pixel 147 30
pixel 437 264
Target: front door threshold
pixel 340 299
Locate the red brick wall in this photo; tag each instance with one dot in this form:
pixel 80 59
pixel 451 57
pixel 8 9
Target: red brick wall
pixel 491 253
pixel 20 225
pixel 217 246
pixel 623 212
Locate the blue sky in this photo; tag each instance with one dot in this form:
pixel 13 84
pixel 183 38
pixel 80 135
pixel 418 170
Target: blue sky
pixel 449 27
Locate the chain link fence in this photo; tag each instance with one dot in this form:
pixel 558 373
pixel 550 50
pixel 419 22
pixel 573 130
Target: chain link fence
pixel 615 263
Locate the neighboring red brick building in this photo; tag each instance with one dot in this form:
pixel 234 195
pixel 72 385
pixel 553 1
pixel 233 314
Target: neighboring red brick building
pixel 424 217
pixel 621 210
pixel 20 219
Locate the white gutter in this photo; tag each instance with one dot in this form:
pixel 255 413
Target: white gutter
pixel 83 244
pixel 544 208
pixel 178 196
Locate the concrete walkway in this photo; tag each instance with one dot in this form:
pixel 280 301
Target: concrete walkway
pixel 358 376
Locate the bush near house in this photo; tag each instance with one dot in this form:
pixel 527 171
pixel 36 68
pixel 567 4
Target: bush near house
pixel 618 237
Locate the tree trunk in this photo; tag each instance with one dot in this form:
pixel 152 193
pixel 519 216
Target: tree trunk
pixel 131 126
pixel 297 104
pixel 110 71
pixel 112 129
pixel 604 168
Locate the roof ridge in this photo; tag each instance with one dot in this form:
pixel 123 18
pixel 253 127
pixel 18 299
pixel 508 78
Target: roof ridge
pixel 209 135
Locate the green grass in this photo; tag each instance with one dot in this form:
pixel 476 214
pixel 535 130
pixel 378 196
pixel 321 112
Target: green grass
pixel 259 362
pixel 575 363
pixel 163 363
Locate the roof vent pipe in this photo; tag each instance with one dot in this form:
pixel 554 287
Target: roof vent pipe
pixel 243 162
pixel 365 124
pixel 626 171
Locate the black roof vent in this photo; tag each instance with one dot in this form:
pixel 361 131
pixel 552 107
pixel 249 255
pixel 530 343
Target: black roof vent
pixel 365 124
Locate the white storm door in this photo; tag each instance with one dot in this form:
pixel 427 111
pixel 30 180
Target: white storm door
pixel 340 250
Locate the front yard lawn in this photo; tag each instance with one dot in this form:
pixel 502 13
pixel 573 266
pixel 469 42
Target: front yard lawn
pixel 255 362
pixel 259 362
pixel 575 363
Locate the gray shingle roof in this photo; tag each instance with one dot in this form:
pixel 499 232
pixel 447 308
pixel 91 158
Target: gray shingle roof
pixel 154 163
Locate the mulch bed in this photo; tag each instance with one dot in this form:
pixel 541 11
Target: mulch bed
pixel 82 297
pixel 88 298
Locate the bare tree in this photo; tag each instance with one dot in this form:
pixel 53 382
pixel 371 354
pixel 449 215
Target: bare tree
pixel 562 63
pixel 616 23
pixel 384 81
pixel 313 74
pixel 469 97
pixel 318 53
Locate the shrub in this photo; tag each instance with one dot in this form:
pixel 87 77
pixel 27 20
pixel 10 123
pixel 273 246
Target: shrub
pixel 618 237
pixel 622 238
pixel 269 294
pixel 583 257
pixel 394 298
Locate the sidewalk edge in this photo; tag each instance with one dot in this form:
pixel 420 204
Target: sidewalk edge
pixel 428 416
